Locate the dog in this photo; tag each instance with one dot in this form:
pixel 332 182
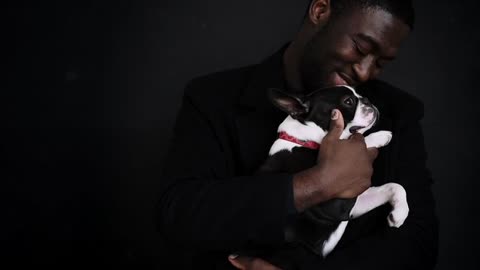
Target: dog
pixel 296 149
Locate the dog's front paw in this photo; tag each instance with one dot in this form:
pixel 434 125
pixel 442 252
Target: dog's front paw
pixel 378 139
pixel 397 217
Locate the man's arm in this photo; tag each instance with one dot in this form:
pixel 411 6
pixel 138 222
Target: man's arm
pixel 415 244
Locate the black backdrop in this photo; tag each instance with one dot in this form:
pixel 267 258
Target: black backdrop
pixel 91 91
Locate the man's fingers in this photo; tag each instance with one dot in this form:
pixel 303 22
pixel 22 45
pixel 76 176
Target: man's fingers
pixel 249 263
pixel 357 136
pixel 260 264
pixel 240 262
pixel 336 125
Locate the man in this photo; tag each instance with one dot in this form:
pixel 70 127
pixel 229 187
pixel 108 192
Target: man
pixel 215 205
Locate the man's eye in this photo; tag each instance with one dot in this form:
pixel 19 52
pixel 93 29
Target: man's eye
pixel 359 49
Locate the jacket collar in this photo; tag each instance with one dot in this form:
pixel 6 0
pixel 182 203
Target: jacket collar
pixel 255 113
pixel 268 74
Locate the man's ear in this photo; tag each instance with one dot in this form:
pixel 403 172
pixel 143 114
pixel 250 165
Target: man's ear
pixel 292 104
pixel 319 12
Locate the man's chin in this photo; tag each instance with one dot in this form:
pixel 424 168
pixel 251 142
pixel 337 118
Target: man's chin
pixel 332 81
pixel 337 80
pixel 322 85
pixel 315 85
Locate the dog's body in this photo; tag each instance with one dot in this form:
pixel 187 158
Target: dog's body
pixel 301 134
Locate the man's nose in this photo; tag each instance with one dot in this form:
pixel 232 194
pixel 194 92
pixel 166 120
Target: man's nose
pixel 364 69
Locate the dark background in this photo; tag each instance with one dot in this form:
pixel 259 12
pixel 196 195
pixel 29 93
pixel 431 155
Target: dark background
pixel 92 88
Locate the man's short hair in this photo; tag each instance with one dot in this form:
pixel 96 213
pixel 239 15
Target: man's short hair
pixel 401 9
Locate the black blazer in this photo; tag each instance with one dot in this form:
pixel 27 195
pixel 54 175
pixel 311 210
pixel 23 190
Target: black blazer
pixel 213 205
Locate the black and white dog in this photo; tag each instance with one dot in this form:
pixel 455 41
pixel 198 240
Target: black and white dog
pixel 300 136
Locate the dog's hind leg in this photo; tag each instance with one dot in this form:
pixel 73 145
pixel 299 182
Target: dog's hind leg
pixel 374 197
pixel 334 238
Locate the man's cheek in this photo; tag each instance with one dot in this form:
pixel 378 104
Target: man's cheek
pixel 345 55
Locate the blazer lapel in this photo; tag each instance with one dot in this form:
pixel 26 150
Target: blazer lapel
pixel 256 118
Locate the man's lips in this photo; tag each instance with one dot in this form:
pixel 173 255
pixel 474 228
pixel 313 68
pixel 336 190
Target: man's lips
pixel 338 80
pixel 347 79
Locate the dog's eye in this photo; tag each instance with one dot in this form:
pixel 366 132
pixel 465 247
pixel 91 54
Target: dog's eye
pixel 349 102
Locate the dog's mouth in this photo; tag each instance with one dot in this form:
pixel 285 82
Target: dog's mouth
pixel 355 128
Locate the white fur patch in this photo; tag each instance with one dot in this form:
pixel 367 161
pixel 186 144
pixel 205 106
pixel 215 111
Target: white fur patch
pixel 334 238
pixel 374 197
pixel 308 132
pixel 378 139
pixel 280 145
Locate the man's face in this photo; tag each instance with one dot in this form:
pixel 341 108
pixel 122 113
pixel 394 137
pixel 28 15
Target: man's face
pixel 351 48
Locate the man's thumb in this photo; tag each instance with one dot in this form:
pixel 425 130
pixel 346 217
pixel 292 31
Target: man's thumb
pixel 336 124
pixel 240 262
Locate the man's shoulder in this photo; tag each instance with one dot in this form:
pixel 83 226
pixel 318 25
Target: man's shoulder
pixel 222 87
pixel 395 102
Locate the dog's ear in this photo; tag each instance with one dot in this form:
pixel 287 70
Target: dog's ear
pixel 293 104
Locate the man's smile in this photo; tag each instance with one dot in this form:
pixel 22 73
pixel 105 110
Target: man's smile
pixel 338 80
pixel 348 79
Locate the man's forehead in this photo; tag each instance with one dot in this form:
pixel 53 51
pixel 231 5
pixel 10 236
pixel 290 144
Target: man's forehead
pixel 378 26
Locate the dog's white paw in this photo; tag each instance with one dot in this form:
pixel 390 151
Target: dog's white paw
pixel 397 217
pixel 378 139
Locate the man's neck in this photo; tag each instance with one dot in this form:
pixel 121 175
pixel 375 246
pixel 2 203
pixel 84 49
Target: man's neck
pixel 292 58
pixel 291 65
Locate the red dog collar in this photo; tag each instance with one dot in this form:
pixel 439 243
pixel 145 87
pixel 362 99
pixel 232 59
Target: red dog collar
pixel 308 144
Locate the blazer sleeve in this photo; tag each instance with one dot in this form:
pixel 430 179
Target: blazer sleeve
pixel 415 244
pixel 206 207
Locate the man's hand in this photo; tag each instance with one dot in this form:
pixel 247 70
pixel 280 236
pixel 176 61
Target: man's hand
pixel 249 263
pixel 343 170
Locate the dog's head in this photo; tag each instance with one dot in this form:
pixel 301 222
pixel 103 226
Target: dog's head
pixel 358 113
